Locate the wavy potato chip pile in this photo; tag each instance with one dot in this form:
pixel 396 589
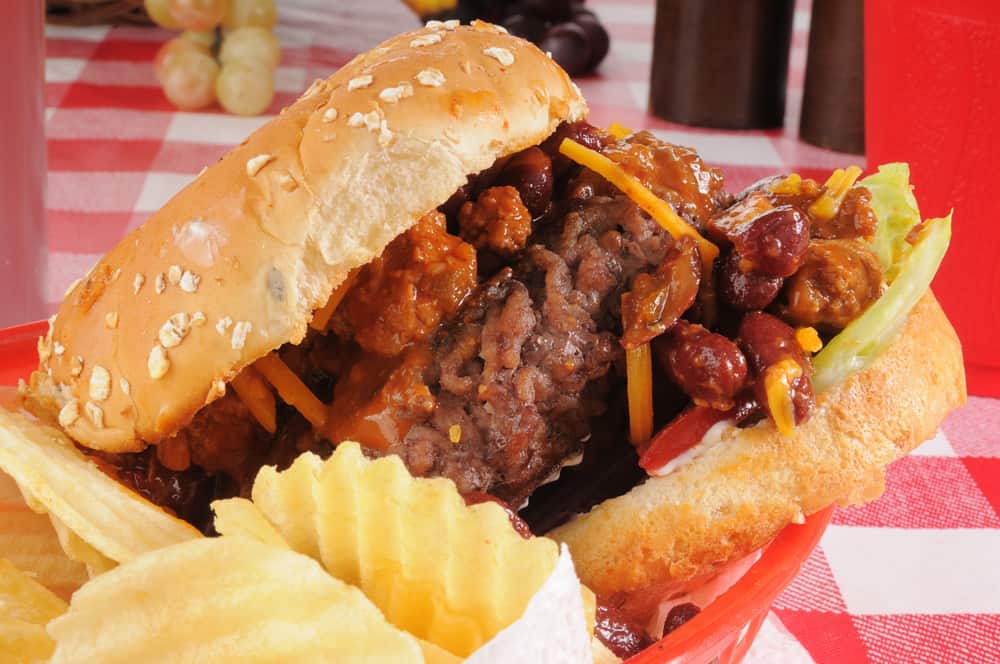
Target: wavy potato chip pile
pixel 25 607
pixel 28 540
pixel 108 522
pixel 226 599
pixel 448 573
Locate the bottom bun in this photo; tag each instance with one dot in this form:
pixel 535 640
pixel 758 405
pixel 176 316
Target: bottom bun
pixel 673 532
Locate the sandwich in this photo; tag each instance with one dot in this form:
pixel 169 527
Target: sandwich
pixel 433 254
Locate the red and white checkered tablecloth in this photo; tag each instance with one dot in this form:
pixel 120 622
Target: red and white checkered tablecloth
pixel 911 577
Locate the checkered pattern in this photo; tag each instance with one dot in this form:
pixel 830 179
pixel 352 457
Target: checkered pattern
pixel 912 577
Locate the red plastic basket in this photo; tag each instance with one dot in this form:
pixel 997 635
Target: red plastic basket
pixel 725 629
pixel 721 633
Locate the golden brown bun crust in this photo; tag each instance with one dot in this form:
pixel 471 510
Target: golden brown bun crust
pixel 678 529
pixel 268 232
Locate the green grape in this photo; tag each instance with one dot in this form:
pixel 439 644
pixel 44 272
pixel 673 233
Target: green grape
pixel 243 13
pixel 244 89
pixel 205 38
pixel 189 79
pixel 198 15
pixel 252 45
pixel 160 13
pixel 172 49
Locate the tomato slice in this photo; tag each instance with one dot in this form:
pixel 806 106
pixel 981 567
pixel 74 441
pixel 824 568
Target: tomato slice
pixel 684 432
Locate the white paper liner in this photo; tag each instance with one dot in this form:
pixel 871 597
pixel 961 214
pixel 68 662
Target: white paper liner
pixel 552 628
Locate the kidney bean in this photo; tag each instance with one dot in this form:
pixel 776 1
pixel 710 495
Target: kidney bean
pixel 530 172
pixel 766 340
pixel 583 133
pixel 747 410
pixel 745 291
pixel 679 615
pixel 770 240
pixel 624 637
pixel 707 366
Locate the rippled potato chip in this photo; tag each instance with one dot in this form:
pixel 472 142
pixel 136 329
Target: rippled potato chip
pixel 28 540
pixel 448 573
pixel 56 477
pixel 225 599
pixel 25 607
pixel 238 516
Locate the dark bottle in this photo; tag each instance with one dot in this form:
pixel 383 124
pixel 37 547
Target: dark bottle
pixel 721 63
pixel 833 102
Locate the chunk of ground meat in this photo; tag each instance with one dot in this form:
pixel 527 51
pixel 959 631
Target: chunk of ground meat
pixel 674 173
pixel 835 284
pixel 854 219
pixel 524 366
pixel 403 295
pixel 658 298
pixel 497 221
pixel 222 438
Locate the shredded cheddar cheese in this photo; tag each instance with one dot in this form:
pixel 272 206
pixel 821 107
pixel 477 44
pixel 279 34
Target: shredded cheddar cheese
pixel 790 186
pixel 641 196
pixel 619 131
pixel 253 391
pixel 834 190
pixel 291 389
pixel 639 368
pixel 809 339
pixel 323 315
pixel 778 380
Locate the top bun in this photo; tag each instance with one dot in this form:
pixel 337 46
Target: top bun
pixel 235 264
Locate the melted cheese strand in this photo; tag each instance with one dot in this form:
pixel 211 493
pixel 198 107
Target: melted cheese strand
pixel 834 189
pixel 639 368
pixel 619 131
pixel 778 379
pixel 291 389
pixel 809 339
pixel 253 391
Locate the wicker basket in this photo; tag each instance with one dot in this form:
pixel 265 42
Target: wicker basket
pixel 95 12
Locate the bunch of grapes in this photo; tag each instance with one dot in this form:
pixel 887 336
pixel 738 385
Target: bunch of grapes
pixel 565 28
pixel 226 53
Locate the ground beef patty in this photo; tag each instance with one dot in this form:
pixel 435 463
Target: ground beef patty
pixel 525 364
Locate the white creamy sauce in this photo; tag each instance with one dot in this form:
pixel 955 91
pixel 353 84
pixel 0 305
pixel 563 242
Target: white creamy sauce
pixel 574 460
pixel 711 438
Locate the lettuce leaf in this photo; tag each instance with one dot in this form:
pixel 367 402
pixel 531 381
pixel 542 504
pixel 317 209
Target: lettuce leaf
pixel 897 212
pixel 868 335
